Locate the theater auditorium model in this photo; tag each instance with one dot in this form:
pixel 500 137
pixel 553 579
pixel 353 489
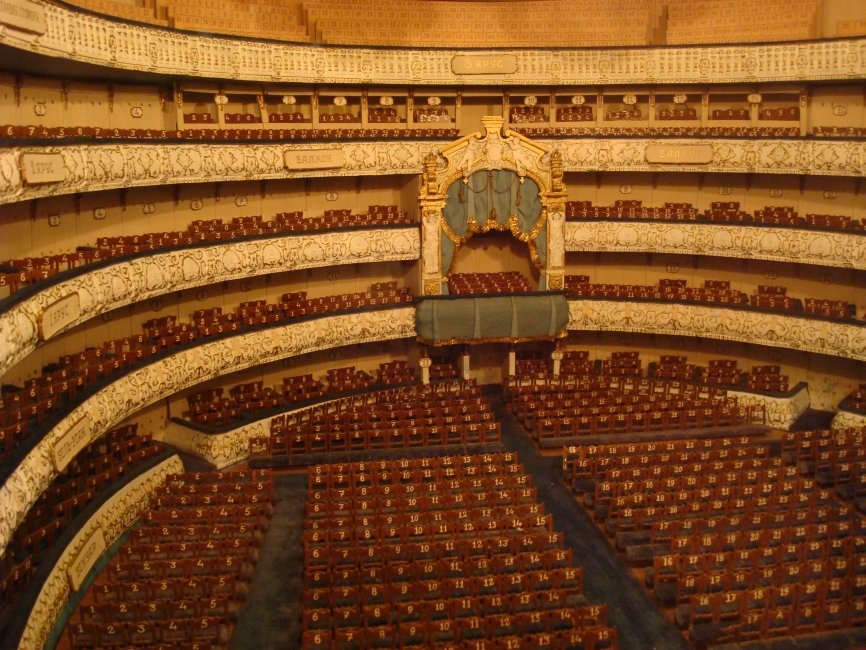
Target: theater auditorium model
pixel 438 324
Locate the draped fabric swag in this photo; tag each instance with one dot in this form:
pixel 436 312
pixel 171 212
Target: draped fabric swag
pixel 495 199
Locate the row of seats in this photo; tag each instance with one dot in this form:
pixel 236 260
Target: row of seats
pixel 62 382
pixel 413 24
pixel 118 453
pixel 836 458
pixel 338 132
pixel 659 131
pixel 718 212
pixel 410 416
pixel 477 561
pixel 17 273
pixel 718 21
pixel 182 575
pixel 722 521
pixel 767 298
pixel 461 284
pixel 244 401
pixel 856 399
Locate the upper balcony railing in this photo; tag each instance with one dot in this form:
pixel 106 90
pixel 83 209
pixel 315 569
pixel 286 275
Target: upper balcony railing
pixel 74 34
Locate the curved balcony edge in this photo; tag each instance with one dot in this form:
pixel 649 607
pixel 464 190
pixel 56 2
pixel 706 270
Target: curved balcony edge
pixel 63 32
pixel 77 168
pixel 102 530
pixel 125 281
pixel 759 328
pixel 148 384
pixel 846 419
pixel 791 245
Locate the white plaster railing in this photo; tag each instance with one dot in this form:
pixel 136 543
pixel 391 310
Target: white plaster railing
pixel 845 419
pixel 760 328
pixel 103 41
pixel 97 167
pixel 114 517
pixel 144 386
pixel 782 411
pixel 126 282
pixel 791 245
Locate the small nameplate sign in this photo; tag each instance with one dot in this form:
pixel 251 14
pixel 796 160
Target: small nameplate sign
pixel 678 154
pixel 71 443
pixel 39 168
pixel 484 64
pixel 86 558
pixel 315 159
pixel 59 314
pixel 23 14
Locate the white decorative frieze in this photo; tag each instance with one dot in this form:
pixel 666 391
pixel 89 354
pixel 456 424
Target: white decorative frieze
pixel 144 386
pixel 791 245
pixel 91 168
pixel 114 517
pixel 760 328
pixel 781 412
pixel 97 167
pixel 130 281
pixel 846 419
pixel 759 156
pixel 70 34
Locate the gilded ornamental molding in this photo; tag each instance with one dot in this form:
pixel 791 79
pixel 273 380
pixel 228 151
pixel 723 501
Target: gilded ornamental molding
pixel 91 168
pixel 822 248
pixel 144 386
pixel 760 328
pixel 107 288
pixel 70 34
pixel 114 517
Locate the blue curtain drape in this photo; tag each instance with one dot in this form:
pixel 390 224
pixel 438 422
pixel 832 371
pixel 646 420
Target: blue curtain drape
pixel 492 199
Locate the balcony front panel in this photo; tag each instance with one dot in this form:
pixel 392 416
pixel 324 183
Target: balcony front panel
pixel 759 328
pixel 791 245
pixel 144 386
pixel 109 522
pixel 128 281
pixel 65 33
pixel 90 168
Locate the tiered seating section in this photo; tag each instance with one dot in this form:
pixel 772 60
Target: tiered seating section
pixel 17 273
pixel 182 576
pixel 432 552
pixel 856 400
pixel 22 409
pixel 449 23
pixel 561 411
pixel 119 453
pixel 248 401
pixel 715 292
pixel 733 21
pixel 740 544
pixel 718 212
pixel 443 368
pixel 415 23
pixel 444 413
pixel 723 372
pixel 502 282
pixel 836 458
